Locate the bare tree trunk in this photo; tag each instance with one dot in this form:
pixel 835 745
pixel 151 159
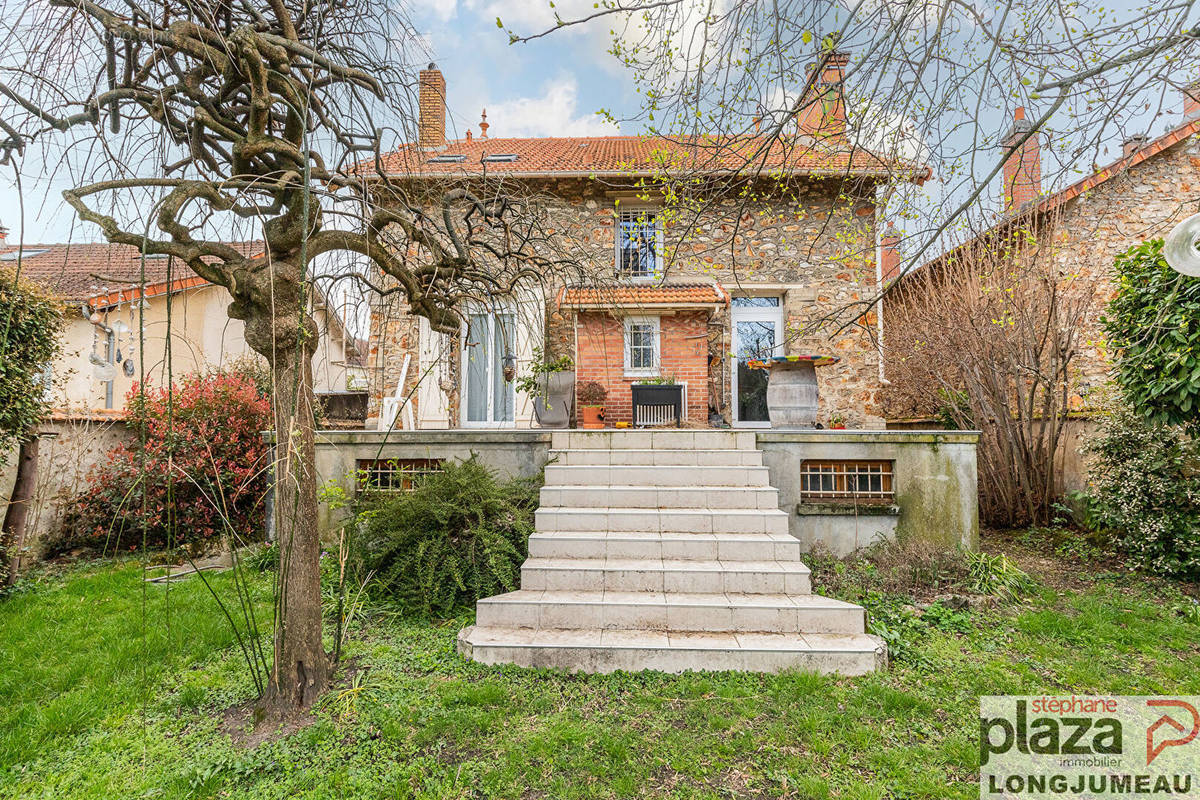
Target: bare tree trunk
pixel 12 537
pixel 301 668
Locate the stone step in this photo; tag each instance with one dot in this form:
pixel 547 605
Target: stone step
pixel 658 458
pixel 676 546
pixel 631 497
pixel 598 650
pixel 653 440
pixel 678 611
pixel 661 520
pixel 709 576
pixel 639 475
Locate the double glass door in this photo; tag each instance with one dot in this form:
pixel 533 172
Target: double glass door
pixel 489 399
pixel 757 331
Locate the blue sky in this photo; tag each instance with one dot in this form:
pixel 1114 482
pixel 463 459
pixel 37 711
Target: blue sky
pixel 551 86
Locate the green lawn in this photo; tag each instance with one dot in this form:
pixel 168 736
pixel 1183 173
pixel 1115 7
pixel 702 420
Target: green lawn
pixel 109 691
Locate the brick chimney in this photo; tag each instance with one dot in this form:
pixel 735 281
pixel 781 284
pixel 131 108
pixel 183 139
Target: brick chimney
pixel 889 254
pixel 823 112
pixel 431 122
pixel 1191 101
pixel 1023 168
pixel 3 236
pixel 1133 144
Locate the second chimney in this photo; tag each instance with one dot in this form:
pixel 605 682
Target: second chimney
pixel 1023 167
pixel 889 254
pixel 1133 144
pixel 823 111
pixel 431 120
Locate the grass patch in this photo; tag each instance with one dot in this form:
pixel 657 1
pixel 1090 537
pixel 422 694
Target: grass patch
pixel 139 713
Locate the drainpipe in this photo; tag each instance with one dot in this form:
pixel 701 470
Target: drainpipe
pixel 879 304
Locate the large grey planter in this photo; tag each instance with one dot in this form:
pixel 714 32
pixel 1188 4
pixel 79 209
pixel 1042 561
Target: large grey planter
pixel 552 408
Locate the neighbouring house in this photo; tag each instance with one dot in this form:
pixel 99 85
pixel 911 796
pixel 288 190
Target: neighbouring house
pixel 120 308
pixel 654 298
pixel 1154 185
pixel 1081 228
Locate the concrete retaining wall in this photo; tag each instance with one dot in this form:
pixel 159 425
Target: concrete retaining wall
pixel 510 453
pixel 934 476
pixel 934 480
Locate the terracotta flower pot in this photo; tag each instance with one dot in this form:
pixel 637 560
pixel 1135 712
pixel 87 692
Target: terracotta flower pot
pixel 593 416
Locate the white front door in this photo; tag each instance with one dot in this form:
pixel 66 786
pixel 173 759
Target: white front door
pixel 757 332
pixel 488 399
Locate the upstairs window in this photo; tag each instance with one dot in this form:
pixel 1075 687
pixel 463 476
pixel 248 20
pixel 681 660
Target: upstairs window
pixel 639 242
pixel 641 346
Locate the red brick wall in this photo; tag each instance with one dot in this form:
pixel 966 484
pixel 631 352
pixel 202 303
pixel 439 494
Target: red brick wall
pixel 683 345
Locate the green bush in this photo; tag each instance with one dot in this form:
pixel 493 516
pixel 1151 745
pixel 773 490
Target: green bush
pixel 1145 492
pixel 29 325
pixel 457 536
pixel 1153 326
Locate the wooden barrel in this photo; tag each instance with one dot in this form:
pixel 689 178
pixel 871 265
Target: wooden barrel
pixel 792 394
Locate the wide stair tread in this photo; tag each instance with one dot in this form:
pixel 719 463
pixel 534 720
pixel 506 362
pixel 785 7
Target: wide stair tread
pixel 681 611
pixel 601 650
pixel 658 476
pixel 669 544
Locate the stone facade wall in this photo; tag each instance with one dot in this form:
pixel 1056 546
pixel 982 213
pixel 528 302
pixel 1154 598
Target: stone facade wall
pixel 1142 203
pixel 812 243
pixel 393 336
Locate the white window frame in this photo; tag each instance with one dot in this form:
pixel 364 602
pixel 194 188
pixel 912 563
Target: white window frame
pixel 491 312
pixel 620 211
pixel 627 352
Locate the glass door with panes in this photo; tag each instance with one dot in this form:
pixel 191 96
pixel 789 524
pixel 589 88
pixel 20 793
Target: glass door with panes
pixel 488 399
pixel 757 329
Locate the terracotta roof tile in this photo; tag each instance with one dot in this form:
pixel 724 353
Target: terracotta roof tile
pixel 634 155
pixel 633 295
pixel 81 271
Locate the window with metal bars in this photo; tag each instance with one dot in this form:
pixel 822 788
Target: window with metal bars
pixel 639 243
pixel 835 480
pixel 395 474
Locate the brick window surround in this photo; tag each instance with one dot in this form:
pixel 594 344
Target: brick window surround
pixel 683 354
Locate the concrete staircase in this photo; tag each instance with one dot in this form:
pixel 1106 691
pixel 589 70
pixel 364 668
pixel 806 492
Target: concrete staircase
pixel 665 550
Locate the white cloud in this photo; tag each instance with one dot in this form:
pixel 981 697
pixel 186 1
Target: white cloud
pixel 555 112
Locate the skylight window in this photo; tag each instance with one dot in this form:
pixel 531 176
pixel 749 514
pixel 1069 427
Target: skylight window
pixel 499 158
pixel 13 254
pixel 447 159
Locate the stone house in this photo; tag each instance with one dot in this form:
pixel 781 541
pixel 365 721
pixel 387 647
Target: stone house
pixel 1081 228
pixel 760 266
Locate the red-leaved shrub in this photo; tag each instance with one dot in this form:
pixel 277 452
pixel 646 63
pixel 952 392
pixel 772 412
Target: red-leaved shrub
pixel 197 468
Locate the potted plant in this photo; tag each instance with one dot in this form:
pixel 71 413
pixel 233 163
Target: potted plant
pixel 591 404
pixel 551 385
pixel 837 423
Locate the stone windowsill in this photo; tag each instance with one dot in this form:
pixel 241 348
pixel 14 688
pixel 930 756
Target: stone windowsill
pixel 847 509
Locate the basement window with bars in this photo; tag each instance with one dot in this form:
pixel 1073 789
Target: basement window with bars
pixel 834 481
pixel 395 474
